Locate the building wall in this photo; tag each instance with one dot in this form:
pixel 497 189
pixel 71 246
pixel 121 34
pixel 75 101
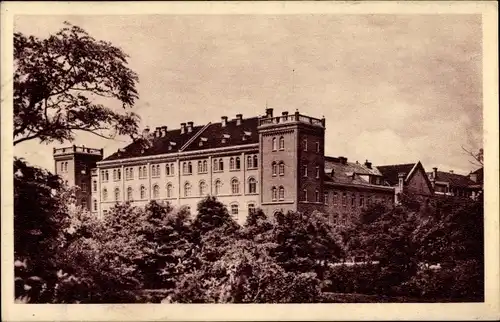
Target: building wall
pixel 418 184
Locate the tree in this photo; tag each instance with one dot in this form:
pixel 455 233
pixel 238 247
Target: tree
pixel 55 83
pixel 211 214
pixel 477 157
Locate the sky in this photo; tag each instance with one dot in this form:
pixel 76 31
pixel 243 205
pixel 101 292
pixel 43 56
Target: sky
pixel 393 88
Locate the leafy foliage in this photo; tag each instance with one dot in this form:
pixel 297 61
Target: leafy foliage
pixel 56 81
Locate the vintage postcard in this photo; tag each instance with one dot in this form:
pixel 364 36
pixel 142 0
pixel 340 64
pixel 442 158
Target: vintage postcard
pixel 249 161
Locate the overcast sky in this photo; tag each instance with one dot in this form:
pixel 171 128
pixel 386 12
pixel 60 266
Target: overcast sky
pixel 393 88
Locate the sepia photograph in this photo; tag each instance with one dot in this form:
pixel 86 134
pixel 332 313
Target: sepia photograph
pixel 227 155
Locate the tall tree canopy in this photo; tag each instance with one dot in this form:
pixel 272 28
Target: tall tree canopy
pixel 57 81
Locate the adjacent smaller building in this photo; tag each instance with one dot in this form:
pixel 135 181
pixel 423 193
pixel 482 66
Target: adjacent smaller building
pixel 456 185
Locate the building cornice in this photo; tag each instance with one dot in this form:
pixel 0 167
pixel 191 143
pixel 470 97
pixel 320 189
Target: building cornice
pixel 180 155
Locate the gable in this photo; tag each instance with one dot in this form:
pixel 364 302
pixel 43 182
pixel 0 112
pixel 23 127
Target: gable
pixel 417 181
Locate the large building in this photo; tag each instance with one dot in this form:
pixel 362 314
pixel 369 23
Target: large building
pixel 457 185
pixel 276 163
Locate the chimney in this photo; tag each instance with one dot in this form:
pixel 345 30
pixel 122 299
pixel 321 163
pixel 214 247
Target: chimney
pixel 401 178
pixel 343 160
pixel 368 164
pixel 451 171
pixel 239 119
pixel 223 121
pixel 269 112
pixel 333 172
pixel 163 131
pixel 145 132
pixel 157 132
pixel 434 173
pixel 473 176
pixel 183 128
pixel 190 126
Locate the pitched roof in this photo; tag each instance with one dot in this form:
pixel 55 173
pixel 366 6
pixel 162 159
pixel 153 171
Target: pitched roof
pixel 348 172
pixel 391 172
pixel 456 180
pixel 480 175
pixel 352 167
pixel 213 135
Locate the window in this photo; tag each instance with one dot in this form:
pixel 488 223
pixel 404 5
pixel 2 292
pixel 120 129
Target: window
pixel 84 187
pixel 119 174
pixel 117 194
pixel 304 194
pixel 238 163
pixel 156 191
pixel 353 200
pixel 335 198
pixel 316 195
pixel 145 172
pixel 218 185
pixel 127 173
pixel 190 167
pixel 255 161
pixel 317 147
pixel 155 170
pixel 104 194
pixel 200 167
pixel 274 168
pixel 274 193
pixel 143 192
pixel 235 186
pixel 234 209
pixel 361 200
pixel 172 169
pixel 169 190
pixel 249 161
pixel 344 199
pixel 317 171
pixel 369 201
pixel 114 175
pixel 203 188
pixel 282 143
pixel 167 169
pixel 304 170
pixel 304 144
pixel 62 166
pixel 221 165
pixel 94 204
pixel 187 189
pixel 94 185
pixel 106 175
pixel 129 194
pixel 281 193
pixel 184 167
pixel 252 185
pixel 104 212
pixel 140 173
pixel 274 144
pixel 231 163
pixel 205 166
pixel 216 165
pixel 282 168
pixel 325 198
pixel 251 208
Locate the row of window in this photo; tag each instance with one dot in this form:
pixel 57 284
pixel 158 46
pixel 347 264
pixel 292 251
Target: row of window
pixel 187 168
pixel 202 190
pixel 279 144
pixel 64 167
pixel 305 171
pixel 355 200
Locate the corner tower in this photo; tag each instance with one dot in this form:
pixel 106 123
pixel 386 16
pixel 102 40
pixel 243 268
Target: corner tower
pixel 73 165
pixel 292 162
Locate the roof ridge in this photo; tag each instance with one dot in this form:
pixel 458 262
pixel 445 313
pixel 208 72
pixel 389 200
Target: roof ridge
pixel 194 137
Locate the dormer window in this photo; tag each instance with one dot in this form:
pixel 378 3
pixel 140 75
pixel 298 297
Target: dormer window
pixel 225 137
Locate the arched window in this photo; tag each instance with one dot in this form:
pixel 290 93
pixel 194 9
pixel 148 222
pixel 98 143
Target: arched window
pixel 235 186
pixel 106 174
pixel 316 195
pixel 172 169
pixel 218 186
pixel 274 168
pixel 221 165
pixel 205 166
pixel 119 174
pixel 130 194
pixel 145 171
pixel 353 200
pixel 167 169
pixel 127 173
pixel 231 163
pixel 140 172
pixel 282 143
pixel 190 167
pixel 216 165
pixel 251 208
pixel 304 194
pixel 238 163
pixel 65 166
pixel 274 144
pixel 317 171
pixel 281 194
pixel 94 185
pixel 200 167
pixel 274 193
pixel 156 191
pixel 304 144
pixel 234 210
pixel 104 194
pixel 187 189
pixel 304 170
pixel 169 190
pixel 114 175
pixel 282 168
pixel 117 194
pixel 203 188
pixel 131 173
pixel 94 204
pixel 249 161
pixel 252 185
pixel 62 166
pixel 344 199
pixel 143 192
pixel 255 161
